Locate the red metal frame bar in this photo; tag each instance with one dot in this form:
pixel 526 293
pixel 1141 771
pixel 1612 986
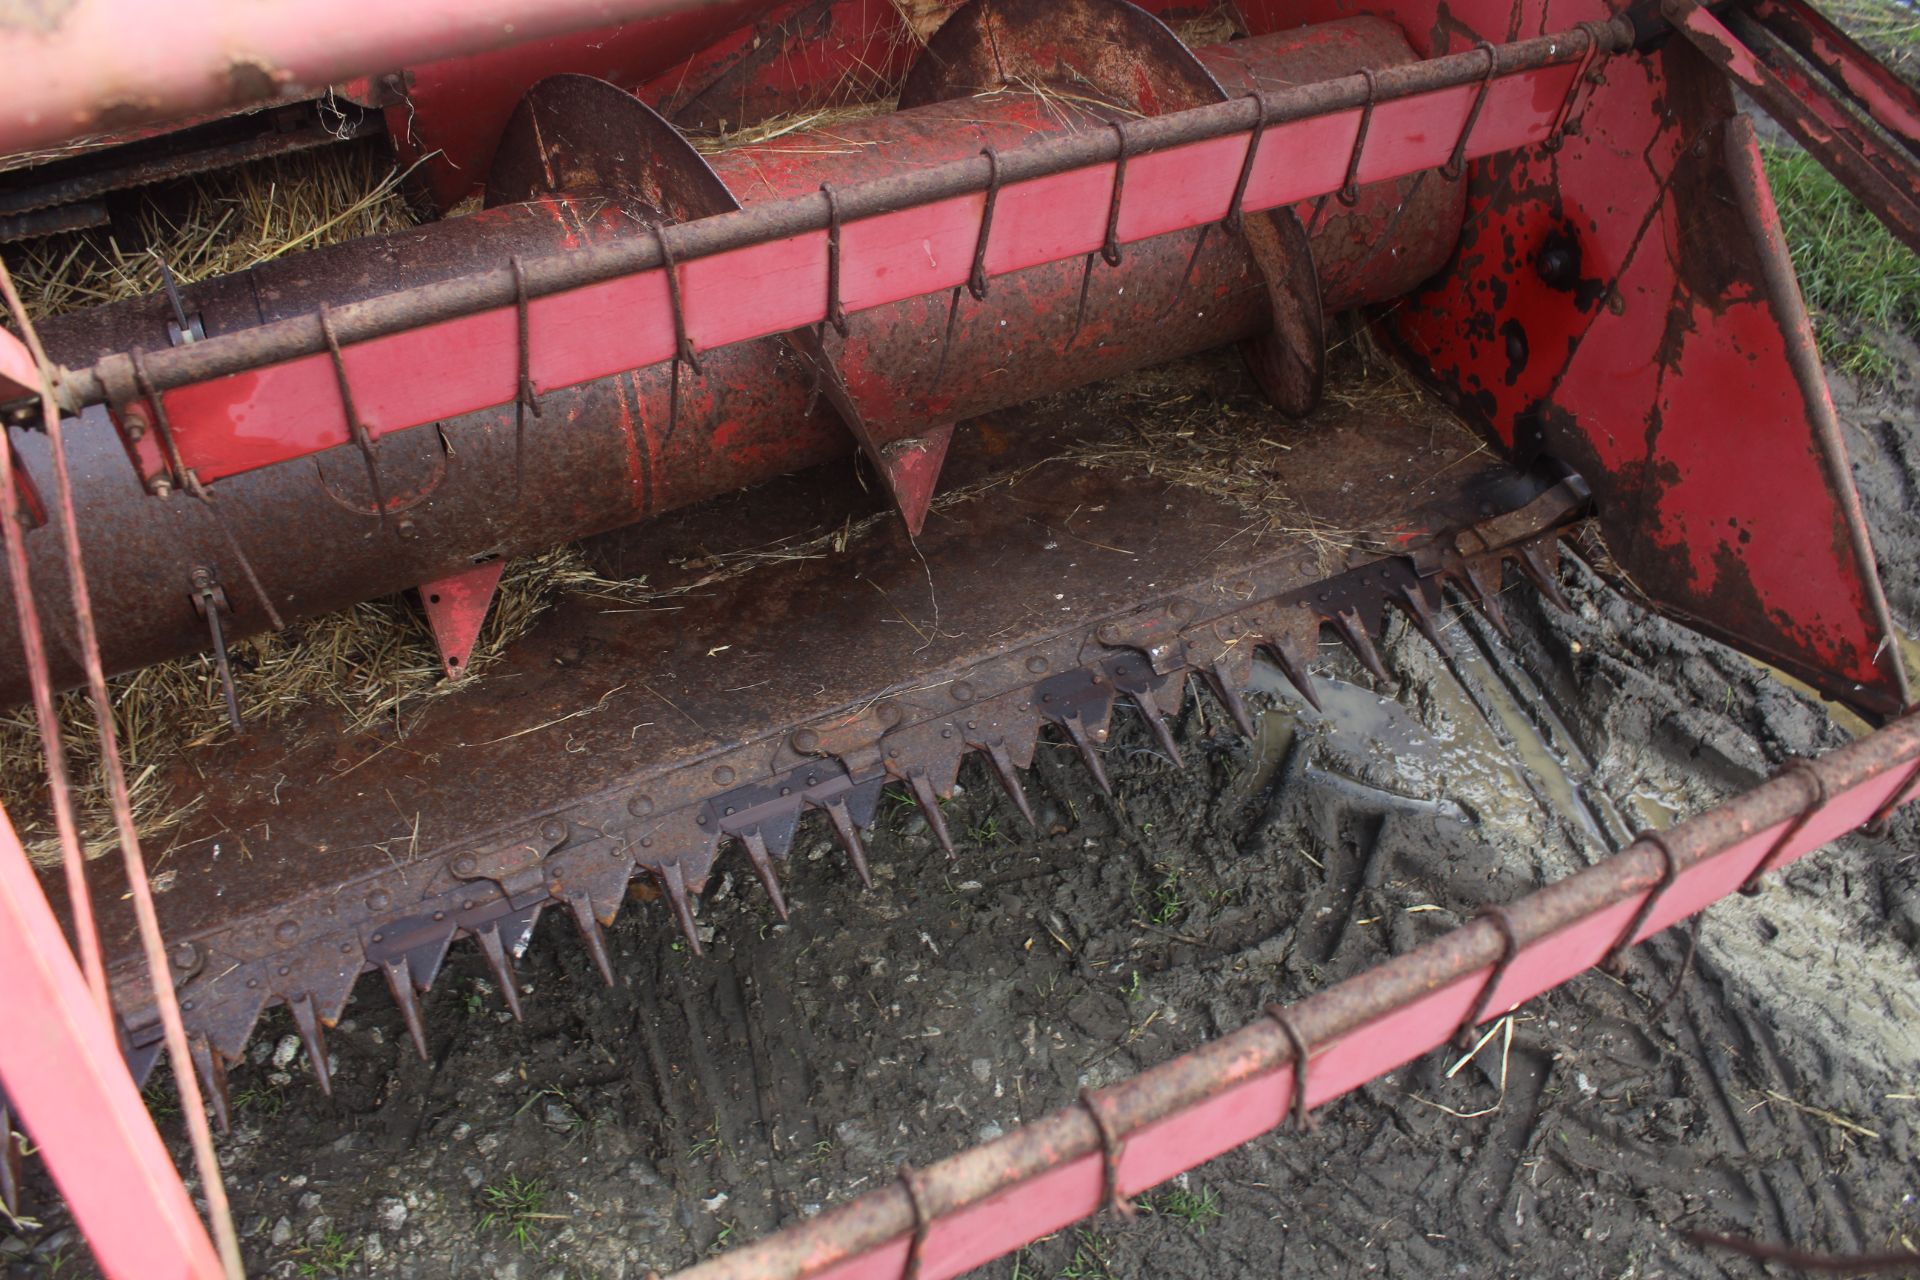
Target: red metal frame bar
pixel 61 1068
pixel 1125 1138
pixel 1883 175
pixel 101 65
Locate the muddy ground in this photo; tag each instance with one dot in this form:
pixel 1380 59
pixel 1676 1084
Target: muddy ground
pixel 704 1101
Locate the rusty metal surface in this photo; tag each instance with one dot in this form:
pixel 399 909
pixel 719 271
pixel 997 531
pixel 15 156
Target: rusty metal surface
pixel 608 742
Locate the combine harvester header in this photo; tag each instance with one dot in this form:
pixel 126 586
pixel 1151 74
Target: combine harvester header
pixel 1552 216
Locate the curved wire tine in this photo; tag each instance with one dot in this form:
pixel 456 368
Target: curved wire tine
pixel 192 484
pixel 524 400
pixel 922 1219
pixel 977 277
pixel 1236 216
pixel 836 310
pixel 1612 961
pixel 1803 769
pixel 1557 132
pixel 1112 1145
pixel 1456 162
pixel 683 352
pixel 1349 193
pixel 356 429
pixel 1298 1107
pixel 1463 1038
pixel 1110 247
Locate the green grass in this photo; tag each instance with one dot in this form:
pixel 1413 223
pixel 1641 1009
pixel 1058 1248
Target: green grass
pixel 1195 1208
pixel 331 1257
pixel 1858 281
pixel 513 1207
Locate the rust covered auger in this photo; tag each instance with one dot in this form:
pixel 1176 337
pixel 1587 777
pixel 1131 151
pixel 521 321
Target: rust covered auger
pixel 584 165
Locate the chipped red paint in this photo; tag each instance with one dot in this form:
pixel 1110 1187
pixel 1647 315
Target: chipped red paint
pixel 1608 304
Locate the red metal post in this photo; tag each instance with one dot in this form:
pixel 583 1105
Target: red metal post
pixel 61 1068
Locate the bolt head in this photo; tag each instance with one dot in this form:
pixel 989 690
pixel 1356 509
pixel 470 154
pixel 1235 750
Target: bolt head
pixel 1181 609
pixel 1109 634
pixel 553 829
pixel 640 806
pixel 806 741
pixel 464 865
pixel 889 713
pixel 723 775
pixel 1036 665
pixel 287 930
pixel 963 692
pixel 185 955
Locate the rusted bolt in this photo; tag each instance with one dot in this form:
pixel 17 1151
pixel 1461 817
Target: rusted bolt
pixel 889 713
pixel 723 775
pixel 287 931
pixel 1109 634
pixel 160 487
pixel 379 900
pixel 963 692
pixel 1181 609
pixel 1036 665
pixel 464 865
pixel 640 806
pixel 185 956
pixel 806 741
pixel 553 829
